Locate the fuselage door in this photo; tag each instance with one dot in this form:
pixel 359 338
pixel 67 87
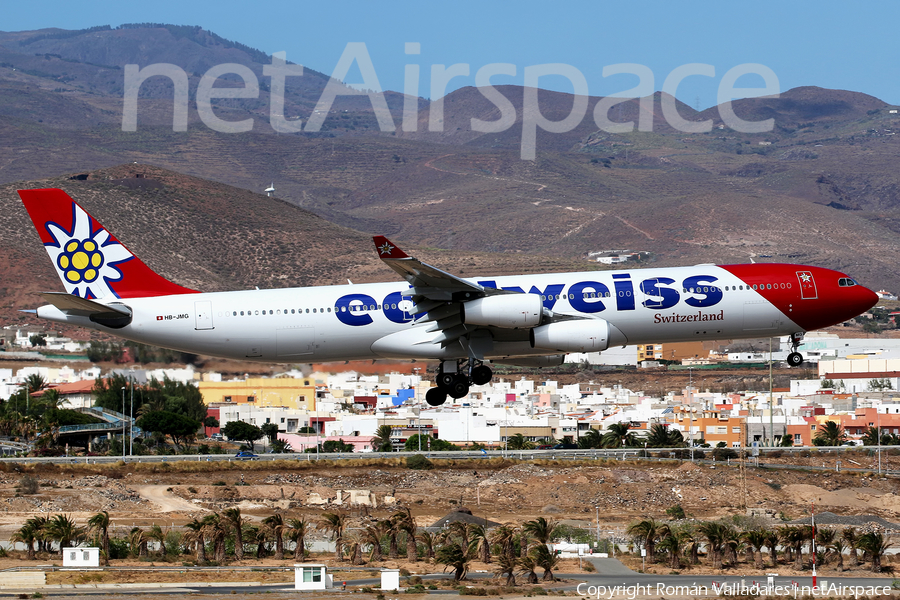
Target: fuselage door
pixel 203 311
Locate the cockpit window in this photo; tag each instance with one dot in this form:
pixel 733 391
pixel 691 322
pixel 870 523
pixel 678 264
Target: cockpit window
pixel 846 282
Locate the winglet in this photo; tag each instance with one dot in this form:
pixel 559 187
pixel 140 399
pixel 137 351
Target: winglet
pixel 386 249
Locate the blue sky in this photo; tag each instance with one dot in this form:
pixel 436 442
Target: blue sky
pixel 826 43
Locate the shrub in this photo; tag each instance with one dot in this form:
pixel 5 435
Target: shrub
pixel 675 512
pixel 724 454
pixel 419 462
pixel 29 485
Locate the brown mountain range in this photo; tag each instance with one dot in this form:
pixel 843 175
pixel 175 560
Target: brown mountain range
pixel 819 188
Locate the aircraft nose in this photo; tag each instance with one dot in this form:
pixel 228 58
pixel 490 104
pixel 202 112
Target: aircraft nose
pixel 864 299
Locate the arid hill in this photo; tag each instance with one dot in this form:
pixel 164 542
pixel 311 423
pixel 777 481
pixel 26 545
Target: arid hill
pixel 818 188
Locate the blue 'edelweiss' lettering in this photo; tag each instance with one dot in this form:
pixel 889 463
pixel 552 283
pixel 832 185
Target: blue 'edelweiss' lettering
pixel 584 297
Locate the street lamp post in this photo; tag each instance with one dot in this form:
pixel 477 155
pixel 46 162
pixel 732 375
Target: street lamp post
pixel 123 422
pixel 131 417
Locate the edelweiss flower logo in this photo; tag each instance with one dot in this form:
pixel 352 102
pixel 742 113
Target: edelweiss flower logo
pixel 385 248
pixel 86 260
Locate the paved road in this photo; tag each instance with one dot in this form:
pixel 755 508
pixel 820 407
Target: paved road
pixel 611 579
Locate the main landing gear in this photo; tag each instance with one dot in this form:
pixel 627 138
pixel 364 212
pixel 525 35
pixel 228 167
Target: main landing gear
pixel 456 385
pixel 795 359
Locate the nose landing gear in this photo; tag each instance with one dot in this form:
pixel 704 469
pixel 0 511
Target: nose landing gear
pixel 795 359
pixel 456 385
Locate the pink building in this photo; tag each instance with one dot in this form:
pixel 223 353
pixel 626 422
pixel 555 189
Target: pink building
pixel 300 442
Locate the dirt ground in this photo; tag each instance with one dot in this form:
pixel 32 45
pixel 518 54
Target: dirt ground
pixel 505 491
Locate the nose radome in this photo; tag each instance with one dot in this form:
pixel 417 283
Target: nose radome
pixel 867 299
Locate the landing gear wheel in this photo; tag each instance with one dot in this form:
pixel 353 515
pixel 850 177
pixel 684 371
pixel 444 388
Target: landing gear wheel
pixel 795 359
pixel 481 375
pixel 459 388
pixel 435 397
pixel 445 380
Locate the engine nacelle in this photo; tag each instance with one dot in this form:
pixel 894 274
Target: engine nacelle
pixel 511 311
pixel 572 336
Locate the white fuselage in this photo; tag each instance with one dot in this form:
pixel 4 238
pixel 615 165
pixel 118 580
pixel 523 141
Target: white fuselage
pixel 335 323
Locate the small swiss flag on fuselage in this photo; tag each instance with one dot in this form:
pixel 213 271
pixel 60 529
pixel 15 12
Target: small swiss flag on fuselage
pixel 807 285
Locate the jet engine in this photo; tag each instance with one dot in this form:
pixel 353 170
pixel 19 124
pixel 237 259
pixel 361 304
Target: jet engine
pixel 581 335
pixel 508 310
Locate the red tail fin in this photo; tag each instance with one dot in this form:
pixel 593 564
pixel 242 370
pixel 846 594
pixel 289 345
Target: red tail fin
pixel 89 260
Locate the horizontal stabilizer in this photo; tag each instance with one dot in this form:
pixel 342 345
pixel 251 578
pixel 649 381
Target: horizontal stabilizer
pixel 111 315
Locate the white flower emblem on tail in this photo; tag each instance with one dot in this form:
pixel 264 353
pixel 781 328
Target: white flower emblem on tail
pixel 86 260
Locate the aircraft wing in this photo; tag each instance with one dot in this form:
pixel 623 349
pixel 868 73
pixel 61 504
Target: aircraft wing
pixel 436 292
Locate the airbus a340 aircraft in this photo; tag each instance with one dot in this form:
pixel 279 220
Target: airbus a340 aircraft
pixel 523 320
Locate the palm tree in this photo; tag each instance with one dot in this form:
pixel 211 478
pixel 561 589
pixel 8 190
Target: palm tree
pixel 354 541
pixel 392 529
pixel 481 543
pixel 505 537
pixel 838 546
pixel 715 534
pixel 756 539
pixel 733 544
pixel 528 567
pixel 830 433
pixel 382 440
pixel 658 436
pixel 299 529
pixel 455 555
pixel 62 529
pixel 618 436
pixel 99 524
pixel 335 523
pixel 518 442
pixel 196 538
pixel 138 540
pixel 374 533
pixel 540 529
pixel 850 535
pixel 506 565
pixel 545 559
pixel 772 543
pixel 694 541
pixel 28 535
pixel 647 532
pixel 429 540
pixel 590 439
pixel 875 546
pixel 259 536
pixel 408 525
pixel 870 438
pixel 35 383
pixel 157 534
pixel 41 528
pixel 795 537
pixel 787 440
pixel 277 526
pixel 672 542
pixel 231 517
pixel 216 531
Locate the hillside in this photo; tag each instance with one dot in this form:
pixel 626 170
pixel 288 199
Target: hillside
pixel 819 188
pixel 210 236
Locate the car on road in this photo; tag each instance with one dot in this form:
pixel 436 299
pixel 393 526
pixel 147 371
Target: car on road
pixel 565 446
pixel 246 455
